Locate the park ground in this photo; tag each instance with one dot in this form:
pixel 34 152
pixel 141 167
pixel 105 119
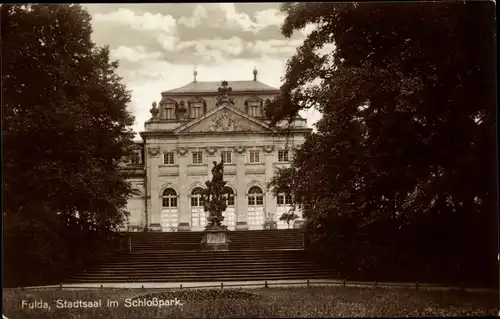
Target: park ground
pixel 250 303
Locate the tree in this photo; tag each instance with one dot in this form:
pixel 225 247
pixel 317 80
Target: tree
pixel 64 117
pixel 408 128
pixel 288 217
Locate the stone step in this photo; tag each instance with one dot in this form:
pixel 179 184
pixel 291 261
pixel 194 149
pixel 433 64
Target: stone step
pixel 248 252
pixel 214 259
pixel 176 257
pixel 221 262
pixel 227 265
pixel 194 270
pixel 233 240
pixel 201 277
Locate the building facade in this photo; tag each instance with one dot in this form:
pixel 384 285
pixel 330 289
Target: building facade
pixel 192 127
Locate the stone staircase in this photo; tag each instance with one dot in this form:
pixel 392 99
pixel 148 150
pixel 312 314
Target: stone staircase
pixel 240 240
pixel 176 257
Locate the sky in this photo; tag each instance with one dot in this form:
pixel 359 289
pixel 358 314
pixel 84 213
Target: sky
pixel 160 45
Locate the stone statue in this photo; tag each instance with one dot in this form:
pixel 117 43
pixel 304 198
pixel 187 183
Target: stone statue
pixel 214 197
pixel 218 171
pixel 224 91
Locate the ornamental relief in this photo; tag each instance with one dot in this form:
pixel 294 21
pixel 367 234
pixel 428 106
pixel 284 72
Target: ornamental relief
pixel 211 150
pixel 182 151
pixel 239 149
pixel 223 122
pixel 153 151
pixel 268 148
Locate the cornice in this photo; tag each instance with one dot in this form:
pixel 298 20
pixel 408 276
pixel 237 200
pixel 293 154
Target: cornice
pixel 212 93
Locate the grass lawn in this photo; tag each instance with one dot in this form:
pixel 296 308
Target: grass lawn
pixel 249 303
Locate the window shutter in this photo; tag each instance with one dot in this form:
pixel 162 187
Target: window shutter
pixel 246 107
pixel 204 107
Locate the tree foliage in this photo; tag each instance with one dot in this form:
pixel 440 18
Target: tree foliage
pixel 65 123
pixel 408 103
pixel 288 217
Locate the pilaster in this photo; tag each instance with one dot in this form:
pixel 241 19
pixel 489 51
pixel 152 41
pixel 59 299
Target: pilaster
pixel 184 216
pixel 241 204
pixel 155 211
pixel 270 202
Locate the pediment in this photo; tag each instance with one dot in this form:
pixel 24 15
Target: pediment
pixel 196 99
pixel 168 101
pixel 225 119
pixel 254 99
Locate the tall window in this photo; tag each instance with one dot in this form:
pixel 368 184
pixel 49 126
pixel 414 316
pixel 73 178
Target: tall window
pixel 196 110
pixel 169 198
pixel 283 156
pixel 284 202
pixel 168 158
pixel 197 157
pixel 198 215
pixel 255 196
pixel 226 157
pixel 254 157
pixel 169 211
pixel 255 213
pixel 229 213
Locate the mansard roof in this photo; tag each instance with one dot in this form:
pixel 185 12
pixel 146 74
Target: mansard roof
pixel 213 86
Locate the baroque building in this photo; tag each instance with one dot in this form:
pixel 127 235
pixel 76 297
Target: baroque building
pixel 193 126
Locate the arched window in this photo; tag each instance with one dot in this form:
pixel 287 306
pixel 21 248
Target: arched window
pixel 255 196
pixel 169 198
pixel 255 212
pixel 169 211
pixel 196 200
pixel 230 197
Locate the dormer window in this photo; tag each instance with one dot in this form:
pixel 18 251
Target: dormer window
pixel 168 107
pixel 254 106
pixel 197 107
pixel 170 113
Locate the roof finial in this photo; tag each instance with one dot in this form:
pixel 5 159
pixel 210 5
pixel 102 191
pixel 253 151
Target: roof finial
pixel 195 73
pixel 255 73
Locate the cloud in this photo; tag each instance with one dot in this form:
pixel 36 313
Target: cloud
pixel 200 15
pixel 158 46
pixel 145 22
pixel 233 46
pixel 269 17
pixel 274 46
pixel 134 54
pixel 226 15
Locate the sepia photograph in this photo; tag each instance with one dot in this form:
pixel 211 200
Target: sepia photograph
pixel 250 160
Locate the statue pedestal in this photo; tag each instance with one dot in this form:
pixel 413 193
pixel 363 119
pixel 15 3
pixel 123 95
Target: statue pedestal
pixel 215 239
